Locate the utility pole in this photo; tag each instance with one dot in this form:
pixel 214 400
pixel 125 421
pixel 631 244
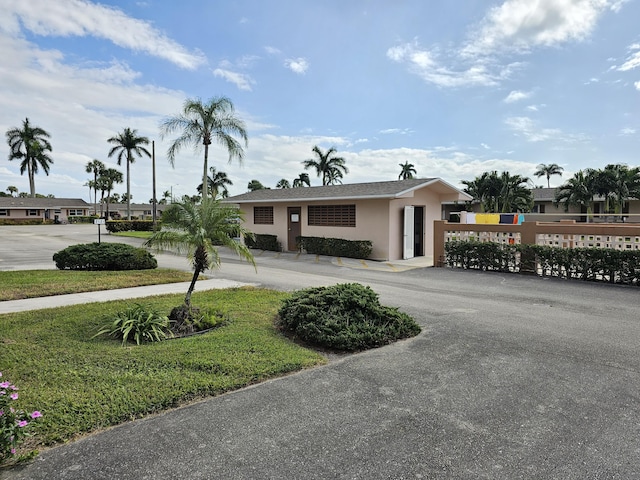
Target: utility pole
pixel 153 163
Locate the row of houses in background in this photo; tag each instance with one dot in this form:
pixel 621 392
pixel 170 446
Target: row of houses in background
pixel 63 210
pixel 397 216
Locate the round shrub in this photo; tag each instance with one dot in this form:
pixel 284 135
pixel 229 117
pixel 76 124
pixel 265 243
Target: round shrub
pixel 344 317
pixel 104 256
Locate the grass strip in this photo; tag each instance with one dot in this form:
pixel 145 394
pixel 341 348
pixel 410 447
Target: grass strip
pixel 42 283
pixel 82 384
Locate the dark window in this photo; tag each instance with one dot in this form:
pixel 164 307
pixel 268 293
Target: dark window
pixel 263 215
pixel 33 213
pixel 542 209
pixel 332 215
pixel 4 212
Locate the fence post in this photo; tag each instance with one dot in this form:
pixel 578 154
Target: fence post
pixel 438 243
pixel 527 256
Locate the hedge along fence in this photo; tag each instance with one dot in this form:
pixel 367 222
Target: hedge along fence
pixel 335 247
pixel 591 264
pixel 114 226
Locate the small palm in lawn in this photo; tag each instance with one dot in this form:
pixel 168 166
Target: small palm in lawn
pixel 127 143
pixel 196 229
pixel 544 170
pixel 327 166
pixel 30 144
pixel 205 123
pixel 408 171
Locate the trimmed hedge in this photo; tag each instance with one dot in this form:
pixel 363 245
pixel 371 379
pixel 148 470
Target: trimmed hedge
pixel 582 263
pixel 344 317
pixel 82 218
pixel 114 226
pixel 335 247
pixel 104 256
pixel 263 241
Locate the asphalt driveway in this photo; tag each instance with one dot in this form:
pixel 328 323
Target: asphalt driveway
pixel 512 377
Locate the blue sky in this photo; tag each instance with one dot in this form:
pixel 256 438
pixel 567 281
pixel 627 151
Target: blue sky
pixel 455 88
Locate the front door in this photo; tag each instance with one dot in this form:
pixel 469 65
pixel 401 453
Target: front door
pixel 408 236
pixel 295 229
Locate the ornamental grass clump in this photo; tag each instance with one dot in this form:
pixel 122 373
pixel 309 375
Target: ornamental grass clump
pixel 14 423
pixel 343 317
pixel 138 323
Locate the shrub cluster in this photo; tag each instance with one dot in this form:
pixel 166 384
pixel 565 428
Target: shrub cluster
pixel 104 256
pixel 138 323
pixel 263 241
pixel 592 264
pixel 115 226
pixel 343 317
pixel 82 218
pixel 336 247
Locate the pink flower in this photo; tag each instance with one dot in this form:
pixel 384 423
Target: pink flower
pixel 22 423
pixel 13 396
pixel 1 412
pixel 36 414
pixel 4 385
pixel 13 451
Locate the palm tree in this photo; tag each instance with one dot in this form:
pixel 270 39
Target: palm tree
pixel 217 182
pixel 196 229
pixel 12 190
pixel 107 180
pixel 203 124
pixel 617 183
pixel 254 185
pixel 283 183
pixel 330 168
pixel 544 170
pixel 578 191
pixel 502 193
pixel 302 180
pixel 30 144
pixel 95 167
pixel 127 143
pixel 408 170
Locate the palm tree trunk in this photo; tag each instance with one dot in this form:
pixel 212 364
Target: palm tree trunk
pixel 205 179
pixel 128 186
pixel 32 182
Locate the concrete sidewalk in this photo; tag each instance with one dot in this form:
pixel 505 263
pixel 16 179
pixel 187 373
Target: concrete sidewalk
pixel 54 301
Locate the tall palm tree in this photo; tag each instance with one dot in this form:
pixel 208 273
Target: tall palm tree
pixel 204 123
pixel 301 181
pixel 12 190
pixel 544 170
pixel 578 191
pixel 30 144
pixel 331 169
pixel 107 180
pixel 94 166
pixel 217 182
pixel 283 183
pixel 196 229
pixel 617 183
pixel 408 170
pixel 126 144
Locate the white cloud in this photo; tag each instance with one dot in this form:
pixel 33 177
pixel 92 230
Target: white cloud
pixel 633 61
pixel 399 131
pixel 516 95
pixel 527 128
pixel 297 65
pixel 240 80
pixel 627 132
pixel 532 108
pixel 427 65
pixel 519 25
pixel 637 85
pixel 82 18
pixel 272 50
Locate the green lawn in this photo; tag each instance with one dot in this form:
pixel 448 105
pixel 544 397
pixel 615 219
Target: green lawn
pixel 42 283
pixel 82 384
pixel 133 234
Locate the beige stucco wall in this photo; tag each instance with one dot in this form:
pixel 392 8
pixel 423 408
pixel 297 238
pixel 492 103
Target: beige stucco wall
pixel 378 220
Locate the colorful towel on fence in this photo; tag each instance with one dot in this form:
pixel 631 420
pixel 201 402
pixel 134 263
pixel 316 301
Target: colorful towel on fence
pixel 488 218
pixel 507 218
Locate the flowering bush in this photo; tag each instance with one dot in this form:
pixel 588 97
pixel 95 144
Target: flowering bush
pixel 13 422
